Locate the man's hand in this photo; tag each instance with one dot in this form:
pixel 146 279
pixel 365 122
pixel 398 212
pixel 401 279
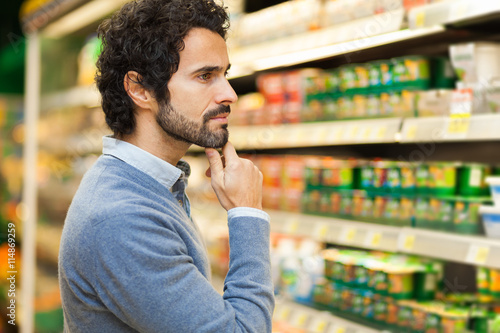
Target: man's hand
pixel 237 182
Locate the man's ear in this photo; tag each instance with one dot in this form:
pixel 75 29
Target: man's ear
pixel 139 95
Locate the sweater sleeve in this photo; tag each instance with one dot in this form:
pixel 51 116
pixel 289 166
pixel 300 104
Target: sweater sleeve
pixel 146 277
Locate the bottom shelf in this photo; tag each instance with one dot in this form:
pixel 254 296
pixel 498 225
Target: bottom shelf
pixel 290 315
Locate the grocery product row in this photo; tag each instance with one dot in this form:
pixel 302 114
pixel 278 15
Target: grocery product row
pixel 402 293
pixel 433 195
pixel 408 86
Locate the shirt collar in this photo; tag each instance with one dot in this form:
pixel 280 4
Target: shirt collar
pixel 162 171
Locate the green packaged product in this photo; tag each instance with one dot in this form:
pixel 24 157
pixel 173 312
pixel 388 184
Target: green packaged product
pixel 332 81
pixel 380 309
pixel 367 176
pixel 422 179
pixel 400 282
pixel 467 219
pixel 445 216
pixel 406 212
pixel 408 179
pixel 443 75
pixel 373 106
pixel 338 174
pixel 359 103
pixel 443 178
pixel 330 108
pixel 483 280
pixel 345 107
pixel 362 78
pixel 391 211
pixel 347 76
pixel 454 320
pixel 472 179
pixel 421 212
pixel 346 204
pixel 411 72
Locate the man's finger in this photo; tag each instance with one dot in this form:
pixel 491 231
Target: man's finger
pixel 229 152
pixel 215 161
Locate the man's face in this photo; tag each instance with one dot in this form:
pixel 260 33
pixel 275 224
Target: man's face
pixel 200 94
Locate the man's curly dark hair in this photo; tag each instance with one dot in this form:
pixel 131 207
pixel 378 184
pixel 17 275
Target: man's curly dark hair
pixel 146 36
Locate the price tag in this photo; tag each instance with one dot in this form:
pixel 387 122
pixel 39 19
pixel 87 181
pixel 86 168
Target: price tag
pixel 318 325
pixel 373 239
pixel 347 235
pixel 283 313
pixel 407 242
pixel 337 329
pixel 291 226
pixel 353 134
pixel 339 133
pixel 381 133
pixel 320 231
pixel 299 319
pixel 477 254
pixel 366 134
pixel 320 135
pixel 457 125
pixel 411 132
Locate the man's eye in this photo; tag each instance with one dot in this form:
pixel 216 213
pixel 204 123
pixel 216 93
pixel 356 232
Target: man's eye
pixel 205 76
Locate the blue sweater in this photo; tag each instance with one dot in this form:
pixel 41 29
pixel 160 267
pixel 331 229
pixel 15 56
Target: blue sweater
pixel 131 260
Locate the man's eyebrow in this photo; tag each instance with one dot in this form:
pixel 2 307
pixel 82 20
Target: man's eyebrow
pixel 211 69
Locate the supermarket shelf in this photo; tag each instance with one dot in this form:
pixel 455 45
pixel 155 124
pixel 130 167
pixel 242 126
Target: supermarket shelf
pixel 307 318
pixel 475 250
pixel 453 12
pixel 439 129
pixel 87 96
pixel 316 134
pixel 337 231
pixel 332 41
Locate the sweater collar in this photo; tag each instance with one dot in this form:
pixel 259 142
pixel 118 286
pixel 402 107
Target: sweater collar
pixel 162 171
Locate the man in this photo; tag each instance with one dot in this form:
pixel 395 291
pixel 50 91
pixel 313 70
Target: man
pixel 131 258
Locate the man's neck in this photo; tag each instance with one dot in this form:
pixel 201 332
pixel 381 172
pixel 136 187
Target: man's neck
pixel 160 145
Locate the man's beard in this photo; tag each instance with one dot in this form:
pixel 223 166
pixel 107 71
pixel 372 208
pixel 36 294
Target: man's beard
pixel 179 127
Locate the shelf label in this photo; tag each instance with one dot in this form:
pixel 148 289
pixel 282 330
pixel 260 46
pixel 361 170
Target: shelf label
pixel 337 329
pixel 299 319
pixel 318 325
pixel 283 313
pixel 320 231
pixel 458 123
pixel 381 133
pixel 339 133
pixel 411 132
pixel 406 242
pixel 477 254
pixel 291 226
pixel 372 239
pixel 353 134
pixel 319 136
pixel 367 132
pixel 420 19
pixel 347 235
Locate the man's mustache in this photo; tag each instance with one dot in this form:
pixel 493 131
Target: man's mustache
pixel 221 109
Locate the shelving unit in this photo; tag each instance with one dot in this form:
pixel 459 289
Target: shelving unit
pixel 475 250
pixel 336 45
